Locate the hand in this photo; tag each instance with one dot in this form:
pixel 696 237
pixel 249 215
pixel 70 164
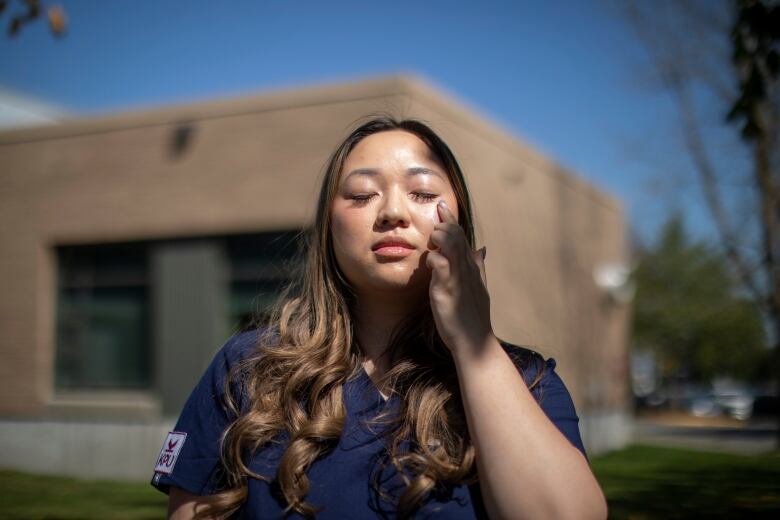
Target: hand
pixel 458 292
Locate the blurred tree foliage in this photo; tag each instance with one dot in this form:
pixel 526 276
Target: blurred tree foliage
pixel 689 312
pixel 721 58
pixel 28 11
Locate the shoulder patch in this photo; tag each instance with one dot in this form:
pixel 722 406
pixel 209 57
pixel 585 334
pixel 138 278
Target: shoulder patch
pixel 170 452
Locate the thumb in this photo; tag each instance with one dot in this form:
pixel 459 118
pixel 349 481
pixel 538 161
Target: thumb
pixel 479 259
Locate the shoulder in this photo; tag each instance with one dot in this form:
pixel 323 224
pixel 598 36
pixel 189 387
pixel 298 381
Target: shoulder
pixel 205 416
pixel 239 347
pixel 537 371
pixel 548 389
pixel 532 365
pixel 227 363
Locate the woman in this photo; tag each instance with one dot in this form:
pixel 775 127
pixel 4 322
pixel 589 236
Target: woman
pixel 377 389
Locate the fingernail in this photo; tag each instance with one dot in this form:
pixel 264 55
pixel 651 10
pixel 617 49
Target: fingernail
pixel 442 203
pixel 483 252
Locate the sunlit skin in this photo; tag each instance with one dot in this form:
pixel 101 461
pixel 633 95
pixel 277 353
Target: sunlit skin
pixel 389 186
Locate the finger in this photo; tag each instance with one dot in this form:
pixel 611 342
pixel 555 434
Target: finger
pixel 479 259
pixel 452 242
pixel 439 266
pixel 445 215
pixel 446 236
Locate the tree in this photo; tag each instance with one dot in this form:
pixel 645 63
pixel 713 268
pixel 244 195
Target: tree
pixel 30 11
pixel 722 58
pixel 688 311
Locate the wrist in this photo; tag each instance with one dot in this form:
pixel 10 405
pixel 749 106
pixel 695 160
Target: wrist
pixel 477 351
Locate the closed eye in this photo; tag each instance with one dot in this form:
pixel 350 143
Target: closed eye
pixel 424 197
pixel 361 200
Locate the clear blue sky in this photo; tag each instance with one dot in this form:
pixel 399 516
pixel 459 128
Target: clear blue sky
pixel 566 76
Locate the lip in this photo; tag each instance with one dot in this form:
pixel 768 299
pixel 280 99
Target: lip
pixel 392 243
pixel 393 247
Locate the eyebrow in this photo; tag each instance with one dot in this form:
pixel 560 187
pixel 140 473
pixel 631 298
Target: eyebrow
pixel 372 172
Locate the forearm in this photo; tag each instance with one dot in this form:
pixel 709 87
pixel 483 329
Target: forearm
pixel 527 468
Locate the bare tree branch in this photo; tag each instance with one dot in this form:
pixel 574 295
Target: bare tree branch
pixel 709 185
pixel 753 35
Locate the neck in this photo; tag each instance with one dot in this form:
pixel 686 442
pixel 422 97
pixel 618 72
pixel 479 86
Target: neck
pixel 376 317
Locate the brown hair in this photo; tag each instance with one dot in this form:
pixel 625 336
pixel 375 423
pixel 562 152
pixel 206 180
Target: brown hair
pixel 294 379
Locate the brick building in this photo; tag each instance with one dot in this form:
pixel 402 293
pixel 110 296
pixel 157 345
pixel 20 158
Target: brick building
pixel 134 244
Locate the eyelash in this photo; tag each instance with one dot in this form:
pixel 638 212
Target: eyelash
pixel 361 200
pixel 424 197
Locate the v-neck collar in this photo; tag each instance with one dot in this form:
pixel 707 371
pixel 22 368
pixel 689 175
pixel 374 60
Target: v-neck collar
pixel 369 415
pixel 362 396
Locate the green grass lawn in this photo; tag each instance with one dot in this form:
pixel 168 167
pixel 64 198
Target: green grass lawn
pixel 644 482
pixel 640 482
pixel 38 497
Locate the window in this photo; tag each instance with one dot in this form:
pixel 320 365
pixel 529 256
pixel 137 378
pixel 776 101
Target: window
pixel 103 317
pixel 260 266
pixel 117 303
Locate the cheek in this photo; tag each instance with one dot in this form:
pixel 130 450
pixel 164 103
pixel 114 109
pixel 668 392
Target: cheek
pixel 428 215
pixel 347 228
pixel 430 218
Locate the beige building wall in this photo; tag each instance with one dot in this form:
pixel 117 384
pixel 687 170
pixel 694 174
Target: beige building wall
pixel 254 164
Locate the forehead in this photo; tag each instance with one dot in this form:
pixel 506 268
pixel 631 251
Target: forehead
pixel 386 148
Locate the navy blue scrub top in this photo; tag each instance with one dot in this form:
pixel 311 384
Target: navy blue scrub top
pixel 343 481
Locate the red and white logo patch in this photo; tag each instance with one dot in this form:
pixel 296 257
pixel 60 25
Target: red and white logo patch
pixel 170 452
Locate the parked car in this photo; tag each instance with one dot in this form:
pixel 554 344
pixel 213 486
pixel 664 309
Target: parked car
pixel 738 405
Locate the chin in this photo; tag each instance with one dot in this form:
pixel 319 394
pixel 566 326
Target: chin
pixel 411 276
pixel 396 283
pixel 401 281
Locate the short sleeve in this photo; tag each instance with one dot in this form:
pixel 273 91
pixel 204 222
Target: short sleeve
pixel 557 404
pixel 200 426
pixel 550 392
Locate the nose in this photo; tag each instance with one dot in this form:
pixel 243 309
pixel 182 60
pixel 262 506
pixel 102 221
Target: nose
pixel 393 210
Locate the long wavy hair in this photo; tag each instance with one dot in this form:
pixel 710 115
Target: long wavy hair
pixel 292 383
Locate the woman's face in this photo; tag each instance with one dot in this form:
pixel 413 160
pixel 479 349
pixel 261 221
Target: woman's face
pixel 384 212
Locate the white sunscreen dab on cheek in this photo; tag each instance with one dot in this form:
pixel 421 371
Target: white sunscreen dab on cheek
pixel 434 217
pixel 435 213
